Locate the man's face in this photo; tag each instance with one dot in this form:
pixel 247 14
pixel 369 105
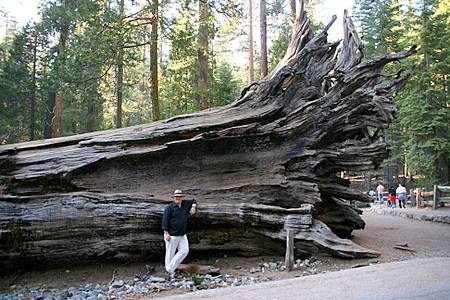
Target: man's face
pixel 178 200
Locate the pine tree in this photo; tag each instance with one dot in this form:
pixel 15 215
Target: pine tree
pixel 419 137
pixel 188 76
pixel 18 90
pixel 424 104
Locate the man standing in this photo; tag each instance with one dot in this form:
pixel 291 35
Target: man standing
pixel 401 195
pixel 380 191
pixel 174 225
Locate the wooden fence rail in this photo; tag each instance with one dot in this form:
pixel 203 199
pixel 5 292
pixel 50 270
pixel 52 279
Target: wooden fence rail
pixel 419 196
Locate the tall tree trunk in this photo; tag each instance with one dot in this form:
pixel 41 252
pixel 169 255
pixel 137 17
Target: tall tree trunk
pixel 119 88
pixel 263 28
pixel 443 167
pixel 33 90
pixel 156 114
pixel 251 60
pixel 59 94
pixel 48 127
pixel 203 56
pixel 92 110
pixel 119 71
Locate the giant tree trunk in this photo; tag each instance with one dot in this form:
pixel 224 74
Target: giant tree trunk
pixel 267 162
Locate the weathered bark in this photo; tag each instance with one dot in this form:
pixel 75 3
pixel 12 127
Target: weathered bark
pixel 251 68
pixel 203 55
pixel 59 92
pixel 265 163
pixel 263 37
pixel 120 70
pixel 154 82
pixel 33 89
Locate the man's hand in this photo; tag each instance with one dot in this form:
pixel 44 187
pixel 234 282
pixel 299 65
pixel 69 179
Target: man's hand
pixel 166 236
pixel 193 209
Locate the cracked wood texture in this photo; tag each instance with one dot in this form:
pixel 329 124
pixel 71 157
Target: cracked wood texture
pixel 267 162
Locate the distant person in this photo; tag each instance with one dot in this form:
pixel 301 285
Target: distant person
pixel 372 194
pixel 391 197
pixel 380 192
pixel 401 195
pixel 174 225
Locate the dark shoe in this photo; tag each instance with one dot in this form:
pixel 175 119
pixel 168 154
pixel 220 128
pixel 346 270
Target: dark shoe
pixel 171 276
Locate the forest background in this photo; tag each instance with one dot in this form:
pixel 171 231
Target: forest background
pixel 90 65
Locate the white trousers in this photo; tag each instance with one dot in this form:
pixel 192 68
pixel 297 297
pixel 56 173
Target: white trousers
pixel 173 260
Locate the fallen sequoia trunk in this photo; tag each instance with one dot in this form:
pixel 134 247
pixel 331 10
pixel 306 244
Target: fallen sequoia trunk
pixel 267 162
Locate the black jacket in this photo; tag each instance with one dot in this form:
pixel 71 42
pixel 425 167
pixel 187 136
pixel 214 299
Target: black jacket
pixel 175 218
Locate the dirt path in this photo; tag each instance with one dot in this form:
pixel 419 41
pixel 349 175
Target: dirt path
pixel 384 232
pixel 417 239
pixel 429 239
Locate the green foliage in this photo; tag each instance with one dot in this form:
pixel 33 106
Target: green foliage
pixel 420 136
pixel 95 32
pixel 179 89
pixel 179 75
pixel 282 27
pixel 17 89
pixel 280 44
pixel 197 278
pixel 424 109
pixel 226 87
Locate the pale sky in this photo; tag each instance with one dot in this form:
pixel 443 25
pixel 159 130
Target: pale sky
pixel 334 7
pixel 22 10
pixel 26 10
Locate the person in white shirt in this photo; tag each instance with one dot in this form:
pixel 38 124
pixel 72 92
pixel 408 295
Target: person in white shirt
pixel 401 195
pixel 380 192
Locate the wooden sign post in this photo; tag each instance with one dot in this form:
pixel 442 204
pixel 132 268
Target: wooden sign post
pixel 289 259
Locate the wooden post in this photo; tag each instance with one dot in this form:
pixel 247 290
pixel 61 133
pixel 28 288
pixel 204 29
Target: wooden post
pixel 435 197
pixel 289 258
pixel 418 197
pixel 412 197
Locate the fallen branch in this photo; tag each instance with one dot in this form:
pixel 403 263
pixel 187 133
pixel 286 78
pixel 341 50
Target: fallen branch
pixel 13 278
pixel 360 265
pixel 113 277
pixel 404 248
